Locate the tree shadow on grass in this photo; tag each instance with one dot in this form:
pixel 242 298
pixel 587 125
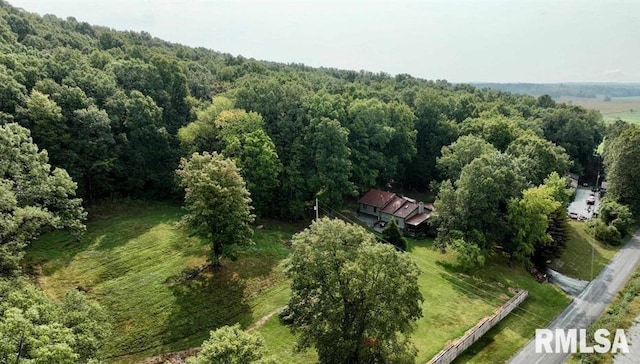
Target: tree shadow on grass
pixel 210 300
pixel 216 298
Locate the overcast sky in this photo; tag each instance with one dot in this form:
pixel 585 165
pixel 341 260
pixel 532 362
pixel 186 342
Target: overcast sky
pixel 456 40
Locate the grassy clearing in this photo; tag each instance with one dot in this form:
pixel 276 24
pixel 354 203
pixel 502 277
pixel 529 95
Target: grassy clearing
pixel 132 259
pixel 543 304
pixel 581 248
pixel 133 256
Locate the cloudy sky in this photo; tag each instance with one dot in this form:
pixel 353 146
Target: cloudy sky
pixel 456 40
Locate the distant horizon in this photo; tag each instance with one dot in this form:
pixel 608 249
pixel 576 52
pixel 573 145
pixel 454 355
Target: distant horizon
pixel 461 41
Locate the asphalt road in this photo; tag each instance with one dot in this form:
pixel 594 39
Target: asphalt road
pixel 588 306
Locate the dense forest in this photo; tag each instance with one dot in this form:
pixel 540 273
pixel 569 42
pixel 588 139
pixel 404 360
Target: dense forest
pixel 117 109
pixel 115 114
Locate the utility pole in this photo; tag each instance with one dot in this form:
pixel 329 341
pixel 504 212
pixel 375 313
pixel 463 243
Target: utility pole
pixel 593 251
pixel 316 209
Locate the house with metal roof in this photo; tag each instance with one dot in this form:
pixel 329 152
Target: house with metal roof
pixel 374 201
pixel 409 215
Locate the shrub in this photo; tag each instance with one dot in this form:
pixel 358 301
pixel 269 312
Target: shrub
pixel 607 234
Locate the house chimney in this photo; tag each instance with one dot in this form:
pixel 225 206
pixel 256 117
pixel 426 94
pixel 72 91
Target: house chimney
pixel 421 208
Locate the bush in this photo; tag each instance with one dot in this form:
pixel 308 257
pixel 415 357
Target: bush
pixel 607 234
pixel 618 215
pixel 393 235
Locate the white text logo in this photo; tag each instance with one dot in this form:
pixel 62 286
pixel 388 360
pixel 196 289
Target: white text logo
pixel 572 341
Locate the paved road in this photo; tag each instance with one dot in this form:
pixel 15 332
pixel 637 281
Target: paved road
pixel 588 306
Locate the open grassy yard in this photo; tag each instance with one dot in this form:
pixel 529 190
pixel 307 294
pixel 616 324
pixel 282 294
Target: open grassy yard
pixel 455 302
pixel 581 248
pixel 133 260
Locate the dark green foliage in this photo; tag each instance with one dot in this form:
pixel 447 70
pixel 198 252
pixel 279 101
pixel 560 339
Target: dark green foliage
pixel 615 214
pixel 107 106
pixel 478 205
pixel 607 234
pixel 557 229
pixel 353 299
pixel 34 198
pixel 575 129
pixel 539 157
pixel 392 234
pixel 231 345
pixel 622 164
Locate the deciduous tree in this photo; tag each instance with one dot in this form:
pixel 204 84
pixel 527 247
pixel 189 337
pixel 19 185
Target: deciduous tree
pixel 622 163
pixel 217 202
pixel 231 345
pixel 353 299
pixel 539 157
pixel 460 153
pixel 33 196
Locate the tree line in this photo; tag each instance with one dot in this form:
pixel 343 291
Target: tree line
pixel 117 110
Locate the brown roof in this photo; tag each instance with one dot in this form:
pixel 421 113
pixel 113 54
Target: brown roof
pixel 377 198
pixel 429 206
pixel 395 204
pixel 406 209
pixel 417 219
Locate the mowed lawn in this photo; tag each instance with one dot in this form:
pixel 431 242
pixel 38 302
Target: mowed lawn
pixel 132 260
pixel 581 249
pixel 455 302
pixel 133 257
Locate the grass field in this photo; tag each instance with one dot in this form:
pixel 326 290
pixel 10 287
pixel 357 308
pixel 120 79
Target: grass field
pixel 625 108
pixel 133 256
pixel 131 261
pixel 581 248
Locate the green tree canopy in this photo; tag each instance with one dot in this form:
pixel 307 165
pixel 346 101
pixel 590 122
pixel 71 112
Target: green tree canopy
pixel 528 219
pixel 217 202
pixel 622 163
pixel 460 153
pixel 35 330
pixel 330 179
pixel 392 234
pixel 474 212
pixel 353 299
pixel 33 197
pixel 539 157
pixel 231 345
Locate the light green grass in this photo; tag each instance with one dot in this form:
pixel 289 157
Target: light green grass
pixel 131 261
pixel 581 248
pixel 543 304
pixel 133 255
pixel 455 302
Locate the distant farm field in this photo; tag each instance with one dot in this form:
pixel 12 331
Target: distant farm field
pixel 625 108
pixel 133 260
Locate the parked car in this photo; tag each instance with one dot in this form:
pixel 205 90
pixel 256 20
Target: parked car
pixel 591 199
pixel 573 215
